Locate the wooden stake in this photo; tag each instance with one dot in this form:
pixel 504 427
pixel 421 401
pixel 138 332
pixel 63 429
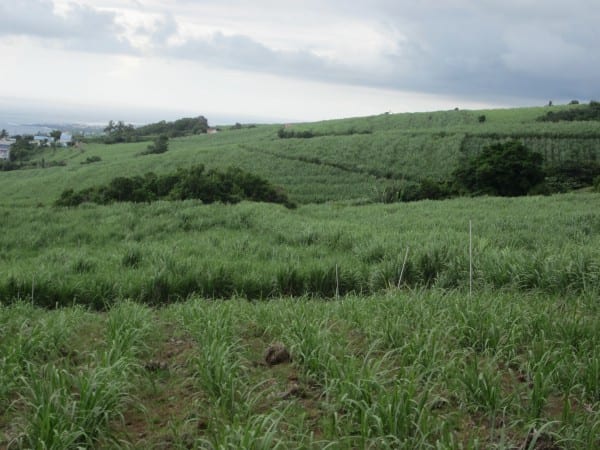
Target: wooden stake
pixel 403 266
pixel 470 258
pixel 337 283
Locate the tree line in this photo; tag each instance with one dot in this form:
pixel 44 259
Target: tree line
pixel 119 132
pixel 582 113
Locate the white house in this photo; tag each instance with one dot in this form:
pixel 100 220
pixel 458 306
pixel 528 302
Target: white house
pixel 5 148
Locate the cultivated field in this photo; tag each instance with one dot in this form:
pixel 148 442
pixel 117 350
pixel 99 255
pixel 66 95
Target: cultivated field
pixel 146 325
pixel 423 369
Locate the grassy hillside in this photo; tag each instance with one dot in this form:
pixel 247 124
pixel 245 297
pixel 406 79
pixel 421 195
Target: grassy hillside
pixel 131 351
pixel 333 165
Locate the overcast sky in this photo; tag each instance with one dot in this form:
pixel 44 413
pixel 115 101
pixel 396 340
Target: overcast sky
pixel 283 60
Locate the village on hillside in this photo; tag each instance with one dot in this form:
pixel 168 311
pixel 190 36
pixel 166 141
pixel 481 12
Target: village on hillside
pixel 56 138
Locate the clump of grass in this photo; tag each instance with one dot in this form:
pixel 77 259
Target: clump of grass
pixel 132 258
pixel 71 409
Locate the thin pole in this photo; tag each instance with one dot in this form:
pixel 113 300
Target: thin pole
pixel 403 266
pixel 337 283
pixel 470 258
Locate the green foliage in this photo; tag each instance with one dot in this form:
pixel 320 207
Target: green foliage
pixel 165 251
pixel 287 134
pixel 230 186
pixel 427 189
pixel 160 145
pixel 91 160
pixel 515 364
pixel 585 112
pixel 22 149
pixel 119 132
pixel 507 169
pixel 569 175
pixel 177 128
pixel 333 166
pixel 55 134
pixel 7 165
pixel 284 133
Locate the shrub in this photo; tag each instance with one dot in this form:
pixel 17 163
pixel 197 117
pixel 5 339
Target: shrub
pixel 91 159
pixel 160 145
pixel 584 112
pixel 570 174
pixel 506 169
pixel 230 186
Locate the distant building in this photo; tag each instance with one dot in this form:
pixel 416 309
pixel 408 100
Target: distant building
pixel 5 148
pixel 66 139
pixel 212 131
pixel 41 141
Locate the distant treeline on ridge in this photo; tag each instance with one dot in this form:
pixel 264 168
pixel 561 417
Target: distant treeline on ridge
pixel 117 132
pixel 584 112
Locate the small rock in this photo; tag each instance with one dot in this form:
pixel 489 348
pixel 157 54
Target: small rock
pixel 277 354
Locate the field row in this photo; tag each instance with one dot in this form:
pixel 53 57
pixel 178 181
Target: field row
pixel 418 370
pixel 340 163
pixel 166 251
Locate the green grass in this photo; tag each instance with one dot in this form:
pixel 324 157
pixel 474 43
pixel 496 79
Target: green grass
pixel 157 316
pixel 167 251
pixel 399 370
pixel 331 167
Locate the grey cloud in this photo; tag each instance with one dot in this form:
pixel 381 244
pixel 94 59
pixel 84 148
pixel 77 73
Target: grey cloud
pixel 513 47
pixel 485 49
pixel 243 53
pixel 83 28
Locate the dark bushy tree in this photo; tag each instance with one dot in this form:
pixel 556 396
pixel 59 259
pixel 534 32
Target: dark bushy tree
pixel 22 149
pixel 160 145
pixel 506 169
pixel 230 186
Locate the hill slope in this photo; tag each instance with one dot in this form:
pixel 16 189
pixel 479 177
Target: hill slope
pixel 347 159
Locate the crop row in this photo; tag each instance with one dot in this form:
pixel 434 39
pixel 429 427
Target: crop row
pixel 425 369
pixel 167 251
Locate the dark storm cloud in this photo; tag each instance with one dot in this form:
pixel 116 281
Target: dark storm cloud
pixel 481 49
pixel 81 28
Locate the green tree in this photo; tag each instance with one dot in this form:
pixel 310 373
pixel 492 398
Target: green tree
pixel 21 149
pixel 506 169
pixel 110 127
pixel 3 134
pixel 55 134
pixel 160 145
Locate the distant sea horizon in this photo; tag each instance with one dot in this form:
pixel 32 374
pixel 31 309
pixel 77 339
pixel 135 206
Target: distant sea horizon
pixel 27 117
